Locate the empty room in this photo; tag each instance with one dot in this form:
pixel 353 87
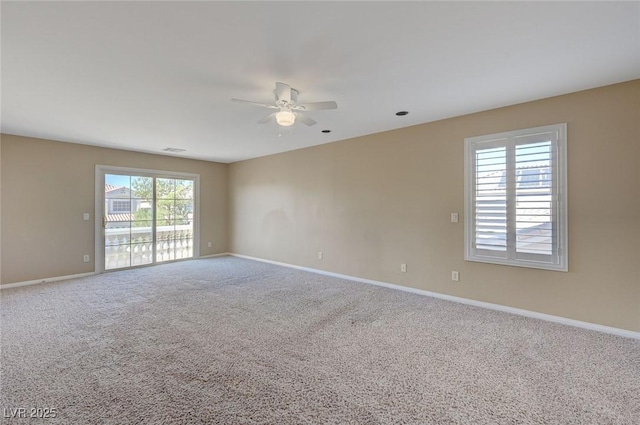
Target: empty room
pixel 311 212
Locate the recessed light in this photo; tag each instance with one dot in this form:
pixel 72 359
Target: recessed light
pixel 326 131
pixel 402 113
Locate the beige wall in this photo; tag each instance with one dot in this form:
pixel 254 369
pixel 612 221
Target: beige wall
pixel 0 208
pixel 47 185
pixel 374 202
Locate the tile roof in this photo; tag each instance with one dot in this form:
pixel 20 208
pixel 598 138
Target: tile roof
pixel 119 217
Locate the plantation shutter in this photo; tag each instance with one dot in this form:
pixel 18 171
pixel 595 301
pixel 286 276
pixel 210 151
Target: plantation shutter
pixel 491 199
pixel 535 235
pixel 515 213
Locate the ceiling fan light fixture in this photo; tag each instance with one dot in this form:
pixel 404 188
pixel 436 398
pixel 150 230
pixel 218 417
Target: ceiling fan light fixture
pixel 285 118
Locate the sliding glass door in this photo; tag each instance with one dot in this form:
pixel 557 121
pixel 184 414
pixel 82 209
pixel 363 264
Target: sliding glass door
pixel 147 217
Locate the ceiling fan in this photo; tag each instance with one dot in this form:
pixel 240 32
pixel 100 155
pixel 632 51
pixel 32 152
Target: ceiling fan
pixel 288 107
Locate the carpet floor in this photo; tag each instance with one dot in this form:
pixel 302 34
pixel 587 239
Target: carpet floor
pixel 233 341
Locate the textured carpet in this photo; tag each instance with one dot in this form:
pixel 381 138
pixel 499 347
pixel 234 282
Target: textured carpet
pixel 233 341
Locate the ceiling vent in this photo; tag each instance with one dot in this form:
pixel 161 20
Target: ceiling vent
pixel 174 150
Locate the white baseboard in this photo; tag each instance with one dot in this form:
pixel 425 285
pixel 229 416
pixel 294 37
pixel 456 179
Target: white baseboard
pixel 75 276
pixel 45 280
pixel 521 312
pixel 223 254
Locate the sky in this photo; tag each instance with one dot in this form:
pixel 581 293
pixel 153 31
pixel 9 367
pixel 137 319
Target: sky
pixel 117 180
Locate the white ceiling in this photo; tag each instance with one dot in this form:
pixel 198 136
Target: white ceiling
pixel 146 76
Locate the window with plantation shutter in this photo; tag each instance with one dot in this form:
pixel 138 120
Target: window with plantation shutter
pixel 515 198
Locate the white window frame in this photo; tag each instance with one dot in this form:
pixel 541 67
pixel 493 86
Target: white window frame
pixel 558 260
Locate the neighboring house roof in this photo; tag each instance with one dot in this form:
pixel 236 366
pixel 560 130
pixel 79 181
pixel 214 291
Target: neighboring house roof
pixel 119 191
pixel 111 188
pixel 119 217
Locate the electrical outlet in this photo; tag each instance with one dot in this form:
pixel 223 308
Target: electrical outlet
pixel 455 276
pixel 403 268
pixel 85 258
pixel 320 255
pixel 85 216
pixel 454 217
pixel 209 244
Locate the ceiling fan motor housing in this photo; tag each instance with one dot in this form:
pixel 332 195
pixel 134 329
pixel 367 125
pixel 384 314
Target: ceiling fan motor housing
pixel 294 98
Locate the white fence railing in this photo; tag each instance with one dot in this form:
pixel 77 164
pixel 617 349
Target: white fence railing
pixel 125 247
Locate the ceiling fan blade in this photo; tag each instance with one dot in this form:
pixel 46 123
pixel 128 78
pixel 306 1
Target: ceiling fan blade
pixel 305 119
pixel 316 106
pixel 283 92
pixel 265 105
pixel 267 118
